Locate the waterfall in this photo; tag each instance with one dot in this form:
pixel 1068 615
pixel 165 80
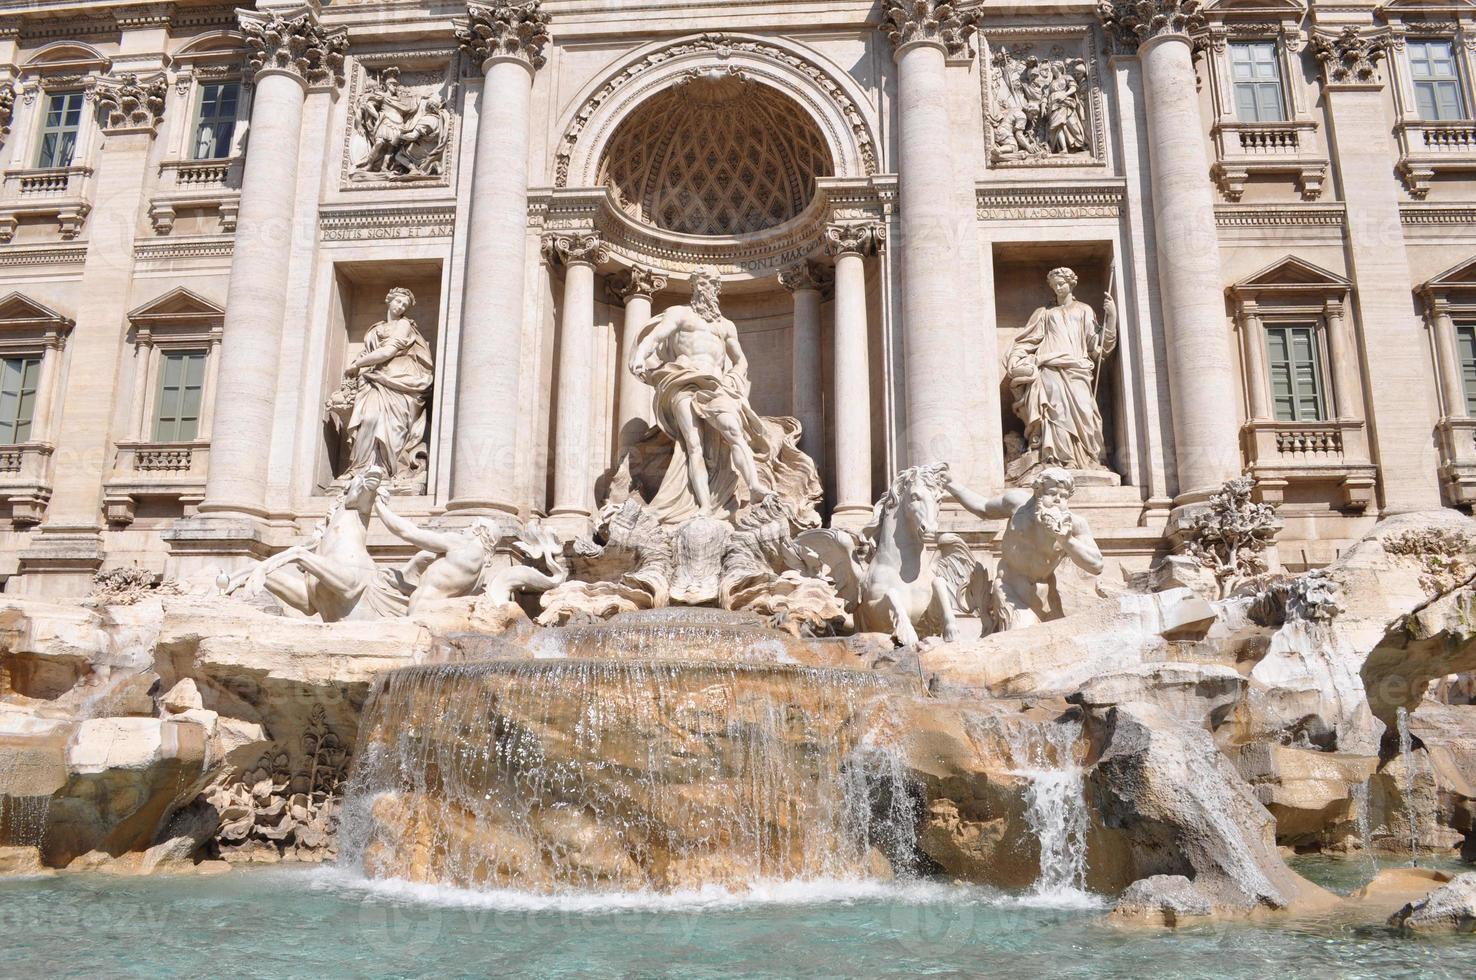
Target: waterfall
pixel 1055 807
pixel 1363 817
pixel 1411 809
pixel 562 775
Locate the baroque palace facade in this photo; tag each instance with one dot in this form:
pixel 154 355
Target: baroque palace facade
pixel 245 253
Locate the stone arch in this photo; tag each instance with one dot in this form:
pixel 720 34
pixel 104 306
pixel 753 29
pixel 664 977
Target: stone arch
pixel 829 96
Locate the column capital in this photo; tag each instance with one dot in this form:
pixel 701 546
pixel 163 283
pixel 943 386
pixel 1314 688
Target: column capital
pixel 129 104
pixel 576 249
pixel 7 106
pixel 1350 58
pixel 1133 22
pixel 294 43
pixel 805 275
pixel 516 29
pixel 638 281
pixel 936 22
pixel 861 239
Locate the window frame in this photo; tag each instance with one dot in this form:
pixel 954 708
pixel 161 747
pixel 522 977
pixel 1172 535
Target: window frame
pixel 43 129
pixel 1272 44
pixel 36 359
pixel 197 118
pixel 1457 80
pixel 153 416
pixel 1315 327
pixel 1465 328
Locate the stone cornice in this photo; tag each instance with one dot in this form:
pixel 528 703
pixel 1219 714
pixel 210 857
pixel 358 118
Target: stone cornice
pixel 566 250
pixel 294 43
pixel 505 29
pixel 144 15
pixel 859 239
pixel 937 22
pixel 129 104
pixel 1133 22
pixel 1350 58
pixel 638 281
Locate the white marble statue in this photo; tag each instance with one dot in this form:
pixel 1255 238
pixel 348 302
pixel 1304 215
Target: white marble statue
pixel 894 581
pixel 333 576
pixel 456 562
pixel 725 455
pixel 1040 533
pixel 380 408
pixel 405 133
pixel 1053 368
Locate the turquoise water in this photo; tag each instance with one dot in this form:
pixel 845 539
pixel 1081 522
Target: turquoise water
pixel 280 922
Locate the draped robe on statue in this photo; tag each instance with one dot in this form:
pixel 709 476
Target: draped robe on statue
pixel 1057 404
pixel 774 441
pixel 387 428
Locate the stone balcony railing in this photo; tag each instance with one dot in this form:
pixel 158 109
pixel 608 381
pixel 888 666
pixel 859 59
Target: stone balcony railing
pixel 1335 452
pixel 25 482
pixel 1246 149
pixel 1427 148
pixel 62 193
pixel 1457 441
pixel 197 185
pixel 155 470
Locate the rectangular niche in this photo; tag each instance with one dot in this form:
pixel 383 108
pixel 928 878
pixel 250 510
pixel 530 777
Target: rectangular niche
pixel 1020 288
pixel 358 303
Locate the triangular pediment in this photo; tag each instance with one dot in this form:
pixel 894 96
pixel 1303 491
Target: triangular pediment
pixel 18 311
pixel 1290 272
pixel 1462 276
pixel 177 306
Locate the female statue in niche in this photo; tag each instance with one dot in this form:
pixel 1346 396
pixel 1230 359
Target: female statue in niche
pixel 1052 370
pixel 380 407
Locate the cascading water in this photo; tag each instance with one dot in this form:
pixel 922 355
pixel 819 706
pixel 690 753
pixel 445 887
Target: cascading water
pixel 1363 815
pixel 1411 808
pixel 1055 806
pixel 561 775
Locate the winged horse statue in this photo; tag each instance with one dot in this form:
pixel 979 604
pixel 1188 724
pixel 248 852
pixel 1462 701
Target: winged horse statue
pixel 892 578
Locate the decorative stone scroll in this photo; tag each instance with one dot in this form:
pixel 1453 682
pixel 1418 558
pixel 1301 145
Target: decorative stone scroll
pixel 805 275
pixel 570 249
pixel 1131 22
pixel 129 103
pixel 1350 57
pixel 862 239
pixel 505 29
pixel 298 45
pixel 638 281
pixel 929 21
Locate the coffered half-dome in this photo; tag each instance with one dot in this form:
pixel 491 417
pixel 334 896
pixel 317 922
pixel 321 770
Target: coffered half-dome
pixel 716 154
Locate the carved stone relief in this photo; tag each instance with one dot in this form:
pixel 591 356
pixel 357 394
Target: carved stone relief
pixel 1042 101
pixel 128 102
pixel 400 127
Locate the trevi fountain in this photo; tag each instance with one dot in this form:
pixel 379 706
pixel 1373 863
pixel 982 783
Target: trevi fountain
pixel 737 488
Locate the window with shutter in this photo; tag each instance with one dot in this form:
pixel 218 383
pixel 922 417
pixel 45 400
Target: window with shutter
pixel 1437 80
pixel 181 383
pixel 1255 74
pixel 1466 350
pixel 1296 372
pixel 18 379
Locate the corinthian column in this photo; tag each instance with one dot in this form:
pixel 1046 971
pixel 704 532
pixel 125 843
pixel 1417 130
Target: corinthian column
pixel 850 244
pixel 924 33
pixel 807 398
pixel 633 410
pixel 289 53
pixel 507 39
pixel 1202 384
pixel 573 493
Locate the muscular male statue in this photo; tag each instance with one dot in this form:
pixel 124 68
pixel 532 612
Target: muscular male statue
pixel 1041 532
pixel 691 356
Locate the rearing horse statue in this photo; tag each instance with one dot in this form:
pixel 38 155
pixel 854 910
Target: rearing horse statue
pixel 892 579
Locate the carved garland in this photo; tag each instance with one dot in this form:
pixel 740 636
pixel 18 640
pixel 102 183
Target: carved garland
pixel 7 107
pixel 723 46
